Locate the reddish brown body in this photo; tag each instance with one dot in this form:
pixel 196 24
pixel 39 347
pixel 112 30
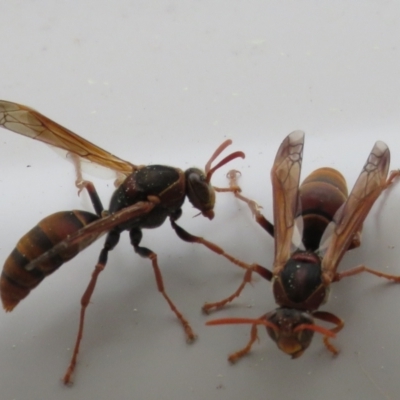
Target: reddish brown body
pixel 315 223
pixel 299 284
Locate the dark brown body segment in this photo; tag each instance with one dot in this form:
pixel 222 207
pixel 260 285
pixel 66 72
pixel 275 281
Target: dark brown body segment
pixel 16 281
pixel 321 194
pixel 298 285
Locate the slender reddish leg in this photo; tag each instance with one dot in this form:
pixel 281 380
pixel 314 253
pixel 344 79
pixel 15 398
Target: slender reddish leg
pixel 190 335
pixel 254 207
pixel 239 354
pixel 362 268
pixel 392 176
pixel 111 242
pixel 207 307
pixel 81 184
pixel 187 237
pixel 136 236
pixel 333 319
pixel 264 272
pixel 84 303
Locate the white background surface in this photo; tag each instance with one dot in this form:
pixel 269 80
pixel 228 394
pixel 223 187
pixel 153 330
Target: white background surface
pixel 167 82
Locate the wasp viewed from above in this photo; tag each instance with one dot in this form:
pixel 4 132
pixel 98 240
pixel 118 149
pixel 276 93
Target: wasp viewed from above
pixel 145 198
pixel 314 225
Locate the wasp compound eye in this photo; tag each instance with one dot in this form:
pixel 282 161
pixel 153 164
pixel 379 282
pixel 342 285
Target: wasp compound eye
pixel 200 192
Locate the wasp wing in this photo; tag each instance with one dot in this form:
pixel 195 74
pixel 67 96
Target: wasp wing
pixel 75 243
pixel 349 218
pixel 30 123
pixel 285 176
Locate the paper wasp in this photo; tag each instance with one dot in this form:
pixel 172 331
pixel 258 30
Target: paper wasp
pixel 314 225
pixel 146 197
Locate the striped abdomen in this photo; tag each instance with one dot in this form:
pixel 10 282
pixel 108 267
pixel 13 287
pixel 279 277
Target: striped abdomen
pixel 321 194
pixel 16 281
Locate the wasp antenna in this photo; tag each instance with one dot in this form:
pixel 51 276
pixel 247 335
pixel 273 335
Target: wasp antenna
pixel 315 328
pixel 236 154
pixel 216 153
pixel 252 321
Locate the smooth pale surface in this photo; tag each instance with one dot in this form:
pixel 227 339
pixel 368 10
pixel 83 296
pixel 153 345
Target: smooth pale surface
pixel 167 82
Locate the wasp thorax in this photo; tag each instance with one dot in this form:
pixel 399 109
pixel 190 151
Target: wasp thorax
pixel 200 192
pixel 299 284
pixel 290 340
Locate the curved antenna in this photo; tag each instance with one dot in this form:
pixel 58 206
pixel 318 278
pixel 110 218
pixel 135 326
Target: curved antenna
pixel 315 328
pixel 265 322
pixel 209 171
pixel 216 153
pixel 224 321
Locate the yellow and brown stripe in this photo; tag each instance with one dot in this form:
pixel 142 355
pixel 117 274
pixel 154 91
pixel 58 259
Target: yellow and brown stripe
pixel 16 279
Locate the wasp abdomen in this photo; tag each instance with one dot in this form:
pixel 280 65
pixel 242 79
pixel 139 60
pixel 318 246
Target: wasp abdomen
pixel 16 281
pixel 321 195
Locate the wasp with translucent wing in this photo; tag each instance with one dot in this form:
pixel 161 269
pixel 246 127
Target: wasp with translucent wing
pixel 314 225
pixel 145 198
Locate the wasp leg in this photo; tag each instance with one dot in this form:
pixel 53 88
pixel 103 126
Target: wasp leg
pixel 228 189
pixel 254 207
pixel 392 176
pixel 233 185
pixel 265 273
pixel 239 354
pixel 333 319
pixel 207 307
pixel 94 197
pixel 81 184
pixel 136 237
pixel 362 268
pixel 111 241
pixel 187 237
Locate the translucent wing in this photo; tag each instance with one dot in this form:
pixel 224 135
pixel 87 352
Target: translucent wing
pixel 83 238
pixel 285 176
pixel 349 218
pixel 30 123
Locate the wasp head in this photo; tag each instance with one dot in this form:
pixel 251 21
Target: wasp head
pixel 291 330
pixel 199 190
